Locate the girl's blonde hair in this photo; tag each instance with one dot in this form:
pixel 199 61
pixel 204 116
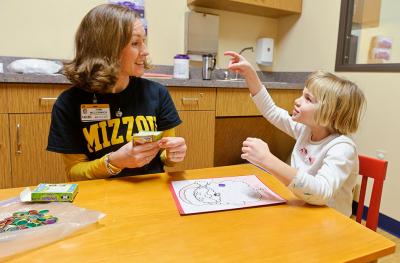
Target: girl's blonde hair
pixel 340 102
pixel 100 38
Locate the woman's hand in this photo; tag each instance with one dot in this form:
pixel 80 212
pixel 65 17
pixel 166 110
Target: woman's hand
pixel 175 148
pixel 133 156
pixel 256 151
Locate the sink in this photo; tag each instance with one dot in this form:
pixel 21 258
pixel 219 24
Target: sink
pixel 231 80
pixel 243 80
pixel 274 82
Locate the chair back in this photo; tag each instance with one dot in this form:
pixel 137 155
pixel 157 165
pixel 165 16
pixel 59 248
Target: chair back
pixel 375 169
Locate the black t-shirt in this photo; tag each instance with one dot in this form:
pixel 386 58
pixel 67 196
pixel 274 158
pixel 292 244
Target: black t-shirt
pixel 145 105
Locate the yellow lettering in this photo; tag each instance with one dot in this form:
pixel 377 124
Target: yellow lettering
pixel 92 138
pixel 114 139
pixel 103 126
pixel 155 123
pixel 141 123
pixel 150 120
pixel 129 131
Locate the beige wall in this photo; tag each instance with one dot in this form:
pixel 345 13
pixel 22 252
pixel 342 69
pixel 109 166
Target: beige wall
pixel 42 28
pixel 46 28
pixel 309 43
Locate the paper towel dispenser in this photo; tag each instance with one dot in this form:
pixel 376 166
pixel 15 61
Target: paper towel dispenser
pixel 201 33
pixel 264 51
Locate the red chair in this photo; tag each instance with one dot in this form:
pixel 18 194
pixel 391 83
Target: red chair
pixel 375 169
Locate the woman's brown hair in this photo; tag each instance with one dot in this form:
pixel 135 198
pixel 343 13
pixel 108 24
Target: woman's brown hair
pixel 100 38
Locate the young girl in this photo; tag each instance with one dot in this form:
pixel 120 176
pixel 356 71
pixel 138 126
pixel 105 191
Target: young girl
pixel 324 161
pixel 93 122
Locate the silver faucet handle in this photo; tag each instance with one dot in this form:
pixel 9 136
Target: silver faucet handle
pixel 226 74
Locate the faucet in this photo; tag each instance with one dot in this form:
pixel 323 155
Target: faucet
pixel 240 53
pixel 246 48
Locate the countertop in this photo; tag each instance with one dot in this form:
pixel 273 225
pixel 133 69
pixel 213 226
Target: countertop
pixel 275 80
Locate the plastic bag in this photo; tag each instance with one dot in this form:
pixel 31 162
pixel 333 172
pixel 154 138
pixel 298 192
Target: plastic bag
pixel 70 219
pixel 39 66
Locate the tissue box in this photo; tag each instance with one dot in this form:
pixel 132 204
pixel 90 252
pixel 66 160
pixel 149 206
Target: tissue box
pixel 50 193
pixel 146 136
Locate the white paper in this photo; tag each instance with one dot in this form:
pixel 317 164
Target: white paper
pixel 225 193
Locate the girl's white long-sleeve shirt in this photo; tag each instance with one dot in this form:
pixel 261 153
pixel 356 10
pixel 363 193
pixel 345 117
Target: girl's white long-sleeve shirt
pixel 327 169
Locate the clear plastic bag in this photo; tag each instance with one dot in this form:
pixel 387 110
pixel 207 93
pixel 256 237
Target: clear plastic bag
pixel 70 219
pixel 38 66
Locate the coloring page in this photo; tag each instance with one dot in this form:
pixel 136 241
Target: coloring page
pixel 225 193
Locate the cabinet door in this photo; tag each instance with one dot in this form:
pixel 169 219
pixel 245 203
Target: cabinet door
pixel 32 98
pixel 237 102
pixel 5 166
pixel 367 13
pixel 31 163
pixel 3 98
pixel 191 98
pixel 268 8
pixel 198 130
pixel 231 132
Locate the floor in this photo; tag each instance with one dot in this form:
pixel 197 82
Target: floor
pixel 393 258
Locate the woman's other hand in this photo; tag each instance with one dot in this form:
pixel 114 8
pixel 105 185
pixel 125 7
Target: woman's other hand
pixel 175 148
pixel 133 156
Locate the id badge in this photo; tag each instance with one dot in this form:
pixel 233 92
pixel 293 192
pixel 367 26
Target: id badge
pixel 95 112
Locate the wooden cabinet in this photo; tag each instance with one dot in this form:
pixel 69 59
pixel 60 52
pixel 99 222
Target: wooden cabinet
pixel 5 166
pixel 3 99
pixel 196 107
pixel 237 102
pixel 238 118
pixel 367 13
pixel 31 163
pixel 269 8
pixel 198 130
pixel 215 122
pixel 193 99
pixel 32 98
pixel 27 120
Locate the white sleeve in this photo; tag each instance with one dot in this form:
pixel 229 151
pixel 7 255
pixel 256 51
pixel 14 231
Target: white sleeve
pixel 336 168
pixel 279 117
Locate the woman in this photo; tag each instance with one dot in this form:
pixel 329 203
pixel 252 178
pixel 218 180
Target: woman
pixel 93 122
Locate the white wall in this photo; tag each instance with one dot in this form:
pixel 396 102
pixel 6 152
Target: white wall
pixel 309 43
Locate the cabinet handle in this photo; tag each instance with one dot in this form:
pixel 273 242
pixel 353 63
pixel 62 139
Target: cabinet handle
pixel 188 101
pixel 46 101
pixel 19 144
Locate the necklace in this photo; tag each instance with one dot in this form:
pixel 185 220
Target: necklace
pixel 118 113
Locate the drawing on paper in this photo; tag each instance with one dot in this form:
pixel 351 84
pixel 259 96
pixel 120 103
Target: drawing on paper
pixel 204 195
pixel 221 193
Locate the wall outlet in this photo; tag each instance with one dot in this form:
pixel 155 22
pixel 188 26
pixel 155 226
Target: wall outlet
pixel 381 154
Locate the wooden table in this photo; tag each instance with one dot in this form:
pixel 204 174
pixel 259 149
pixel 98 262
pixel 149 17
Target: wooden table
pixel 143 225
